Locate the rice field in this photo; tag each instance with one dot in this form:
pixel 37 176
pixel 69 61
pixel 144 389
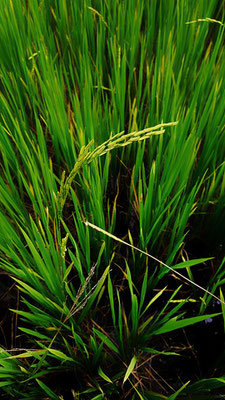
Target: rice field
pixel 112 194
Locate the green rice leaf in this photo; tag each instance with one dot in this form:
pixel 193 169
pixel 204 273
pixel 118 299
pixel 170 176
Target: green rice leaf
pixel 130 368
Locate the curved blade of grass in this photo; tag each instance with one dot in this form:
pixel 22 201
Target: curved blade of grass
pixel 153 258
pixel 173 324
pixel 104 376
pixel 47 390
pixel 175 395
pixel 130 368
pixel 106 340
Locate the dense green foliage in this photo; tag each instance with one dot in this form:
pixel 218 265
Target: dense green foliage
pixel 110 112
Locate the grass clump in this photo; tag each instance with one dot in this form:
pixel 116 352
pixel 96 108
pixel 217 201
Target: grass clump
pixel 91 93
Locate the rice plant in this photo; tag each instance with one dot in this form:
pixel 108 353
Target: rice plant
pixel 112 149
